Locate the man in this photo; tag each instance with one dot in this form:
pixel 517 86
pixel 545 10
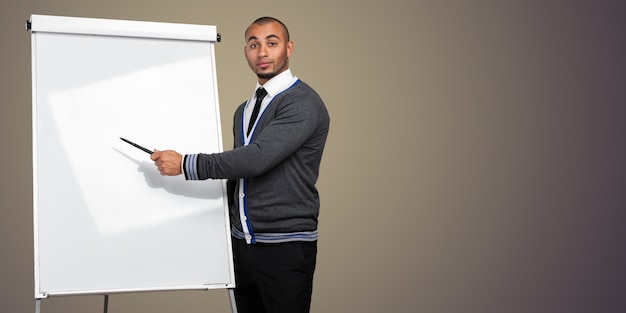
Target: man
pixel 271 172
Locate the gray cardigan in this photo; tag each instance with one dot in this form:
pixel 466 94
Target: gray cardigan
pixel 272 179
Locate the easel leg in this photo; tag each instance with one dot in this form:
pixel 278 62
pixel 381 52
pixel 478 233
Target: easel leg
pixel 106 303
pixel 37 305
pixel 233 304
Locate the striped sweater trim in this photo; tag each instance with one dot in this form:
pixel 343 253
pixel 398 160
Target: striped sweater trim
pixel 277 237
pixel 190 168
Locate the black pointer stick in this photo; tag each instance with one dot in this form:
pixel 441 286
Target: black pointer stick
pixel 148 151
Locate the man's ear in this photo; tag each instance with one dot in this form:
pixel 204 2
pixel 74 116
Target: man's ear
pixel 289 49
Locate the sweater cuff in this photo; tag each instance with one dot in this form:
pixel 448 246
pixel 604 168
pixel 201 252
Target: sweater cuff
pixel 189 166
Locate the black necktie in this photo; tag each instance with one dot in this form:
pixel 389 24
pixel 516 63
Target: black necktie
pixel 260 94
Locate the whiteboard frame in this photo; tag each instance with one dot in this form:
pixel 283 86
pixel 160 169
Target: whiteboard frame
pixel 119 28
pixel 109 27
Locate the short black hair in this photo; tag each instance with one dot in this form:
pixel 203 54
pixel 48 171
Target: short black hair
pixel 266 20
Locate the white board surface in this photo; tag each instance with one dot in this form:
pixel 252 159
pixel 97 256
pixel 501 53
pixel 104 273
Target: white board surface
pixel 105 220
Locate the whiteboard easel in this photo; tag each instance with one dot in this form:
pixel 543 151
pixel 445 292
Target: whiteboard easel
pixel 105 221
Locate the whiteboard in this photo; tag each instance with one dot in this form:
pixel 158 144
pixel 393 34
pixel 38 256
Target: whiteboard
pixel 105 220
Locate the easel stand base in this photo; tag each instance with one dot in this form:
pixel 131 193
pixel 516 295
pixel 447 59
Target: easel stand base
pixel 231 296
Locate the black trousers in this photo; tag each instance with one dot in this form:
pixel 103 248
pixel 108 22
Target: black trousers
pixel 274 278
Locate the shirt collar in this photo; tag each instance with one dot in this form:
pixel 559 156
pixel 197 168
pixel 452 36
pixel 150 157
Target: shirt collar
pixel 277 83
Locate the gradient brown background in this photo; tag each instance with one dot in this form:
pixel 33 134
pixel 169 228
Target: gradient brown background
pixel 475 161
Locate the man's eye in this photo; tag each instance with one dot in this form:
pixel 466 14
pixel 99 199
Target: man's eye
pixel 254 45
pixel 271 44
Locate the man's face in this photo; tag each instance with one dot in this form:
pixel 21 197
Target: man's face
pixel 267 50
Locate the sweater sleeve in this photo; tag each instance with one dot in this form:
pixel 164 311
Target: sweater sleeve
pixel 297 116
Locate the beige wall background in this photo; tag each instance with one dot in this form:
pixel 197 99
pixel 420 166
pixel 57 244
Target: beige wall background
pixel 475 161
